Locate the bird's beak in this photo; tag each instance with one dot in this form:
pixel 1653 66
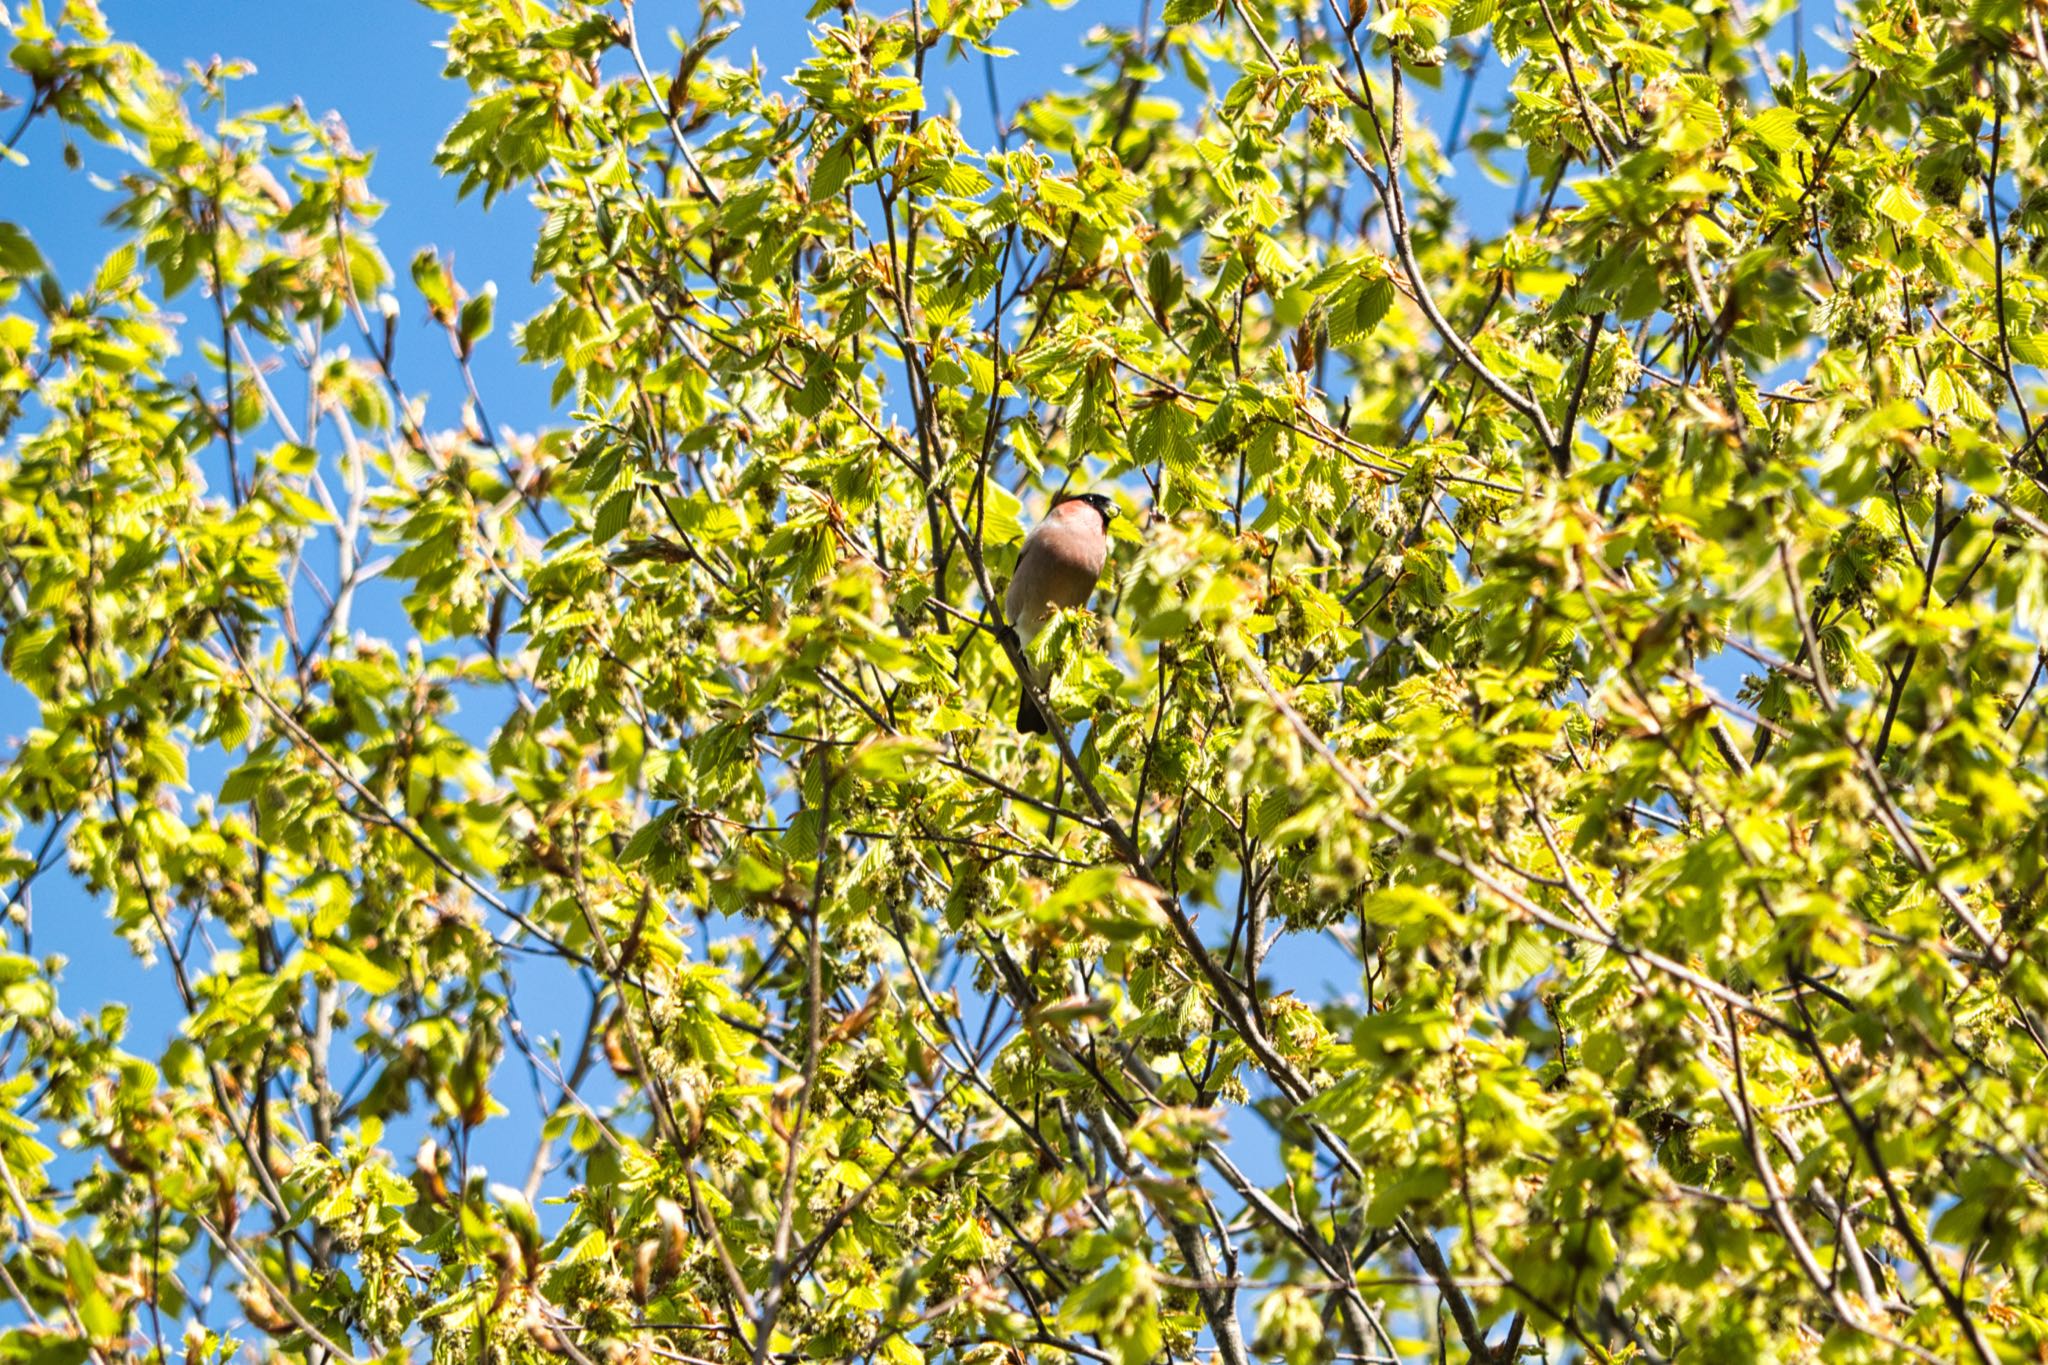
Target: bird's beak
pixel 1112 511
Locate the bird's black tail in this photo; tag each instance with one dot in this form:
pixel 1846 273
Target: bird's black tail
pixel 1029 719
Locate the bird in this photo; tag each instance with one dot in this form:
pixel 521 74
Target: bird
pixel 1056 569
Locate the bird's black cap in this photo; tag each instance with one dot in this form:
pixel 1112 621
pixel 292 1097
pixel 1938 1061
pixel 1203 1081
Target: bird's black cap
pixel 1100 502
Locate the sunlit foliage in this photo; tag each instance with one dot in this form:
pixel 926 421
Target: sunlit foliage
pixel 1541 854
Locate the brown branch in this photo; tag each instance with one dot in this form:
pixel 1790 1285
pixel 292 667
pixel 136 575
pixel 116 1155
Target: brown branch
pixel 1571 72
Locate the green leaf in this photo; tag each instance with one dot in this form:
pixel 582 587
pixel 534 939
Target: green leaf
pixel 475 322
pixel 356 969
pixel 1898 203
pixel 18 253
pixel 1779 129
pixel 1001 514
pixel 430 277
pixel 1469 15
pixel 2029 348
pixel 115 270
pixel 614 514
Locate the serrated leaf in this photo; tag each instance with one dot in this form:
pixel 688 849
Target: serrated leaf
pixel 1165 434
pixel 614 514
pixel 1467 15
pixel 1357 308
pixel 1779 129
pixel 1899 203
pixel 2029 348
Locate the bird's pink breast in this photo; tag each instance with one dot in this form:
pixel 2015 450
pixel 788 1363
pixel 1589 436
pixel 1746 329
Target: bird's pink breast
pixel 1073 534
pixel 1059 565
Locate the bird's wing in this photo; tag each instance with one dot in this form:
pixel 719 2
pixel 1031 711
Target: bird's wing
pixel 1014 603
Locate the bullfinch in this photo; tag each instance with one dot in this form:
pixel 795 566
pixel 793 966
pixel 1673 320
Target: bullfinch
pixel 1057 568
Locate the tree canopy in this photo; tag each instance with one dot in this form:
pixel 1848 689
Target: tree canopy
pixel 1541 853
